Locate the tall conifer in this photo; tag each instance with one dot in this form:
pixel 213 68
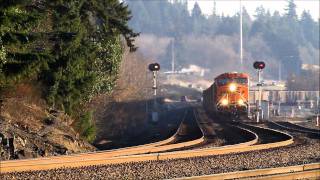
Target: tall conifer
pixel 22 53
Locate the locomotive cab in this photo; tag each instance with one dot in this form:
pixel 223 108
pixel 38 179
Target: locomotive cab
pixel 228 94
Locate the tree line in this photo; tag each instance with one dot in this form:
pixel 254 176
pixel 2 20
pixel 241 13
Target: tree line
pixel 72 48
pixel 279 39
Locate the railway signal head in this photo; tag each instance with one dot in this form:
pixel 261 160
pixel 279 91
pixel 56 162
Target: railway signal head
pixel 259 65
pixel 154 67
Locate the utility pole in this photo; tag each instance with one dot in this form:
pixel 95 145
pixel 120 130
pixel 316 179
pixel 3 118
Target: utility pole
pixel 279 107
pixel 317 111
pixel 279 71
pixel 172 55
pixel 241 43
pixel 147 96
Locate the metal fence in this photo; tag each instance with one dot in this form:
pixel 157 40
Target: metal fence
pixel 291 97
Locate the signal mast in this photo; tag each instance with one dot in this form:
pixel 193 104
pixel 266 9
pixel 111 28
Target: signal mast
pixel 154 68
pixel 259 65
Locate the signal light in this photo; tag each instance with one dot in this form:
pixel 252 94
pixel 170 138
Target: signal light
pixel 259 65
pixel 154 67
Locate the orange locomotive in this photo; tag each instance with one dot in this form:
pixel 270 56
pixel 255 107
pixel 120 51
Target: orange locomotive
pixel 228 94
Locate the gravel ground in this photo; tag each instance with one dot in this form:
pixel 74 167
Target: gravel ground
pixel 305 151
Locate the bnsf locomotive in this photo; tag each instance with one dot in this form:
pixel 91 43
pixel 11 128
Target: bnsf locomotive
pixel 228 94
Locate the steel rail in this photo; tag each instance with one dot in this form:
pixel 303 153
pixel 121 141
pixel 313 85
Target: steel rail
pixel 311 174
pixel 120 151
pixel 201 125
pixel 160 146
pixel 201 140
pixel 169 147
pixel 290 172
pixel 305 128
pixel 112 152
pixel 175 146
pixel 302 130
pixel 69 161
pixel 269 129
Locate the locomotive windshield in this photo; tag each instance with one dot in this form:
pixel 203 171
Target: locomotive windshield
pixel 224 81
pixel 241 80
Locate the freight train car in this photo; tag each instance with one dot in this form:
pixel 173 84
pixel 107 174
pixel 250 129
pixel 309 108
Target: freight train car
pixel 228 94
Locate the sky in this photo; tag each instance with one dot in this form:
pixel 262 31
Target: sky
pixel 231 7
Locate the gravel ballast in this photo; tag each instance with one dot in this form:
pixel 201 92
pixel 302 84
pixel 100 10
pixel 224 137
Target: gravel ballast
pixel 306 151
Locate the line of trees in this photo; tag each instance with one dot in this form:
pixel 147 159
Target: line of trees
pixel 72 47
pixel 278 39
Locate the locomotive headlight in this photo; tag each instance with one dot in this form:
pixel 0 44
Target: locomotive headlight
pixel 224 102
pixel 240 102
pixel 232 87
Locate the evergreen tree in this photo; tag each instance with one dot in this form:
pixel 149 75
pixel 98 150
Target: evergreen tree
pixel 179 20
pixel 72 47
pixel 198 20
pixel 135 23
pixel 196 11
pixel 291 10
pixel 310 29
pixel 213 24
pixel 246 21
pixel 22 54
pixel 260 12
pixel 229 25
pixel 283 35
pixel 87 51
pixel 259 26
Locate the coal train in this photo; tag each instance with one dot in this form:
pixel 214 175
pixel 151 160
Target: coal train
pixel 228 94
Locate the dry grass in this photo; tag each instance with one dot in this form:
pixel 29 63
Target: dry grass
pixel 120 113
pixel 23 114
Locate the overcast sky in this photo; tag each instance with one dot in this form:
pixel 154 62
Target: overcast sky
pixel 230 7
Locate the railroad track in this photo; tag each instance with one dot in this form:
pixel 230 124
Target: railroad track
pixel 107 153
pixel 188 135
pixel 292 172
pixel 296 128
pixel 181 139
pixel 266 135
pixel 116 157
pixel 234 135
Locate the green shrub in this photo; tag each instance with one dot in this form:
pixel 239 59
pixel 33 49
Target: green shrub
pixel 87 127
